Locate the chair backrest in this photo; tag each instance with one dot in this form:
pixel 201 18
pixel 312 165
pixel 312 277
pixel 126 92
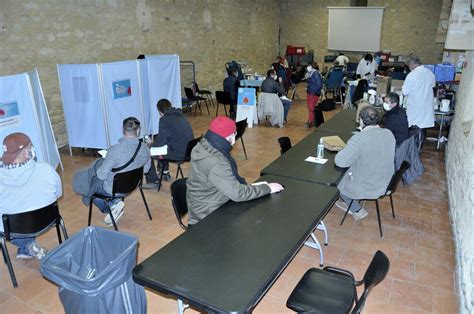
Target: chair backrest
pixel 285 144
pixel 126 182
pixel 241 126
pixel 178 199
pixel 196 88
pixel 189 148
pixel 32 222
pixel 376 272
pixel 335 77
pixel 397 176
pixel 189 93
pixel 223 98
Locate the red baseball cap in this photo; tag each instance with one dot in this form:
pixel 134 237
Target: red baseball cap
pixel 13 144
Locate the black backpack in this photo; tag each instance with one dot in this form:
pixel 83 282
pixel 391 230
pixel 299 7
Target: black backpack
pixel 318 116
pixel 327 104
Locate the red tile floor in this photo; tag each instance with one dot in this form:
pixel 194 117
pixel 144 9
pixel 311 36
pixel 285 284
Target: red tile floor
pixel 418 242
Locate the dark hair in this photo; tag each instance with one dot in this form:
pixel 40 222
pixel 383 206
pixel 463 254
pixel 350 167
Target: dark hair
pixel 394 99
pixel 369 115
pixel 270 72
pixel 314 65
pixel 341 54
pixel 163 104
pixel 131 125
pixel 368 57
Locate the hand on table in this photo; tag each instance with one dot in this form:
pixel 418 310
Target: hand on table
pixel 275 187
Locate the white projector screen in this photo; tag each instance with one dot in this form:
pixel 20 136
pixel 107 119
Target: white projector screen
pixel 355 28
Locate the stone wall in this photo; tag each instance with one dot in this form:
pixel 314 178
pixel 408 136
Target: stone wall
pixel 43 33
pixel 460 173
pixel 409 26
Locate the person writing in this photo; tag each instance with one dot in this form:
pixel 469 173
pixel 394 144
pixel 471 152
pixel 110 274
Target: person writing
pixel 213 176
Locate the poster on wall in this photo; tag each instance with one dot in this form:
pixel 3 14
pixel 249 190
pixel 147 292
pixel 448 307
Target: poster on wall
pixel 9 114
pixel 246 106
pixel 121 89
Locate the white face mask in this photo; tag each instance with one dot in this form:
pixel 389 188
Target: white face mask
pixel 231 139
pixel 275 77
pixel 386 106
pixel 309 68
pixel 32 153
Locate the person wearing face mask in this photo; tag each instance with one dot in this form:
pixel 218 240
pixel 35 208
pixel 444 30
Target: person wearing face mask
pixel 231 85
pixel 366 67
pixel 271 86
pixel 213 176
pixel 395 118
pixel 25 185
pixel 174 131
pixel 99 176
pixel 370 156
pixel 313 90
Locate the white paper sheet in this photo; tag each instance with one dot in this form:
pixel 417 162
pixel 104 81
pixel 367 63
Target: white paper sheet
pixel 321 161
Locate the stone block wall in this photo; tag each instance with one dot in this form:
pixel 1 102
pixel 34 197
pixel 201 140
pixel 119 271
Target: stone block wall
pixel 460 174
pixel 209 32
pixel 409 26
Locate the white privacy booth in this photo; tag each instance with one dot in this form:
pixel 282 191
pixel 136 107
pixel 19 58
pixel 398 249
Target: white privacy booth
pixel 23 109
pixel 97 97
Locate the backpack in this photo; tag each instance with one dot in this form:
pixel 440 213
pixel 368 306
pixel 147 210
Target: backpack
pixel 327 105
pixel 318 116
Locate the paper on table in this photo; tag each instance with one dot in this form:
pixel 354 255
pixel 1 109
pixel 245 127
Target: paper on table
pixel 260 183
pixel 103 152
pixel 159 151
pixel 333 143
pixel 321 161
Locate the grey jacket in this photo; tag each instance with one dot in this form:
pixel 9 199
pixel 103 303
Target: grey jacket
pixel 409 150
pixel 370 158
pixel 211 183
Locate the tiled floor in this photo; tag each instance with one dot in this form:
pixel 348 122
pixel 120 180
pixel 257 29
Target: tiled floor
pixel 418 242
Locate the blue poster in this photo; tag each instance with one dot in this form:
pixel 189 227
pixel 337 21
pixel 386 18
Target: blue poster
pixel 246 97
pixel 9 114
pixel 121 89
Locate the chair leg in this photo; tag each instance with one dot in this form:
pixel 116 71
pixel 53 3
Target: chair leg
pixel 207 107
pixel 225 110
pixel 60 240
pixel 63 228
pixel 315 245
pixel 161 177
pixel 217 109
pixel 321 226
pixel 378 217
pixel 6 257
pixel 112 217
pixel 195 108
pixel 391 204
pixel 243 145
pixel 146 204
pixel 180 170
pixel 90 212
pixel 345 215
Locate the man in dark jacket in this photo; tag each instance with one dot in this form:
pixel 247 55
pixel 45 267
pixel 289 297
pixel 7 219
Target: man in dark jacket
pixel 213 176
pixel 395 118
pixel 231 85
pixel 174 131
pixel 271 86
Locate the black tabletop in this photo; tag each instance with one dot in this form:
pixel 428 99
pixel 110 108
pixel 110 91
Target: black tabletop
pixel 292 164
pixel 343 121
pixel 230 259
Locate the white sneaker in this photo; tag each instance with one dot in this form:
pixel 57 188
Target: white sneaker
pixel 35 250
pixel 361 214
pixel 343 206
pixel 117 212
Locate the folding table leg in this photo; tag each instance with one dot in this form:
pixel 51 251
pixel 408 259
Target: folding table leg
pixel 181 306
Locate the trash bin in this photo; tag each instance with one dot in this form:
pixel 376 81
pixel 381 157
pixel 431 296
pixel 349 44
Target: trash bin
pixel 93 270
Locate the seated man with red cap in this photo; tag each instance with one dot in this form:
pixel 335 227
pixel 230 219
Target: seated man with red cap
pixel 25 185
pixel 213 177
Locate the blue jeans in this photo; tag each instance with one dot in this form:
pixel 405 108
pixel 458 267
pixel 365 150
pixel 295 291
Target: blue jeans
pixel 286 107
pixel 23 243
pixel 355 207
pixel 102 204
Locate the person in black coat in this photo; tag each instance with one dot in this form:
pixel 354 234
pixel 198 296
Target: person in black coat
pixel 174 131
pixel 231 85
pixel 395 118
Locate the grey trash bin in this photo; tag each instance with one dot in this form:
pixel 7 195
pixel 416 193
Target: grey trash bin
pixel 93 270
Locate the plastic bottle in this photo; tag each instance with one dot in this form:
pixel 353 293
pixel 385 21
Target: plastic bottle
pixel 320 150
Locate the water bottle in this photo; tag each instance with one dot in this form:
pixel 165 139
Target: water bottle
pixel 320 150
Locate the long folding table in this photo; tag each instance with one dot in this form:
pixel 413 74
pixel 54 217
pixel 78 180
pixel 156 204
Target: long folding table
pixel 228 261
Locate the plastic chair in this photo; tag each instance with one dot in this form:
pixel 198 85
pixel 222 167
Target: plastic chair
pixel 124 183
pixel 187 158
pixel 203 93
pixel 241 127
pixel 178 199
pixel 224 99
pixel 193 98
pixel 285 144
pixel 333 290
pixel 30 223
pixel 334 81
pixel 391 188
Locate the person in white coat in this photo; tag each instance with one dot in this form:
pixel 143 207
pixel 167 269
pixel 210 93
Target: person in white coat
pixel 418 88
pixel 366 67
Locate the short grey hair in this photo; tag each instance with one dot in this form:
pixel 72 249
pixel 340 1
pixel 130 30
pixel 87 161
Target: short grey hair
pixel 369 115
pixel 414 60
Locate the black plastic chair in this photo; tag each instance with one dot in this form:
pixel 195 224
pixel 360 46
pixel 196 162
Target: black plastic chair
pixel 178 199
pixel 197 99
pixel 285 144
pixel 241 127
pixel 30 223
pixel 333 290
pixel 204 93
pixel 223 98
pixel 391 188
pixel 124 184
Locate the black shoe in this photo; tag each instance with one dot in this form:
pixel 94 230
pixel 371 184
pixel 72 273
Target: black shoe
pixel 167 176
